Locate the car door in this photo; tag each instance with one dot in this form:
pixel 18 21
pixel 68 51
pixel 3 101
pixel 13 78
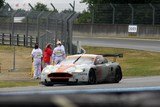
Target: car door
pixel 101 68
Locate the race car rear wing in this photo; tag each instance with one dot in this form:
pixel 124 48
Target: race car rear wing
pixel 120 55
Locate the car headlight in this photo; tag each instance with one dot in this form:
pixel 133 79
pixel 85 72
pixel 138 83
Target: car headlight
pixel 46 71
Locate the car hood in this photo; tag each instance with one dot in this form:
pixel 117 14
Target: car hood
pixel 67 68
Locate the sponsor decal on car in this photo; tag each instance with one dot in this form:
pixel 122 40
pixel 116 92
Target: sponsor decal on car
pixel 82 73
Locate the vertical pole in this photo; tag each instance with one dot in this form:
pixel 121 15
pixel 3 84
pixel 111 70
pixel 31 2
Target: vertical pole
pixel 74 5
pixel 56 32
pixel 10 39
pixel 31 41
pixel 36 39
pixel 92 20
pixel 38 24
pixel 113 14
pixel 153 14
pixel 3 39
pixel 132 18
pixel 47 26
pixel 24 39
pixel 0 67
pixel 13 27
pixel 13 41
pixel 17 39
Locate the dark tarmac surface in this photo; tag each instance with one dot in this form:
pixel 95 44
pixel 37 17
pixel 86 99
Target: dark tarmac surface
pixel 131 92
pixel 140 44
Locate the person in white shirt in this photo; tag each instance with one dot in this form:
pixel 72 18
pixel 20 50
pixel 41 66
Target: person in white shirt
pixel 58 54
pixel 37 60
pixel 62 46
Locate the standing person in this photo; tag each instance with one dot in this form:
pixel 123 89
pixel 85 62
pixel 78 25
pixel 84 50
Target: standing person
pixel 58 53
pixel 37 60
pixel 62 47
pixel 47 54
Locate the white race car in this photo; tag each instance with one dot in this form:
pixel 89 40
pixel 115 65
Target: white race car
pixel 87 68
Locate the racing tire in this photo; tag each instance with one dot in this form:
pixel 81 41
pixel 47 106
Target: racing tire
pixel 118 74
pixel 92 77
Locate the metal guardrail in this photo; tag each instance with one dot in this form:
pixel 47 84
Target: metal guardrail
pixel 18 40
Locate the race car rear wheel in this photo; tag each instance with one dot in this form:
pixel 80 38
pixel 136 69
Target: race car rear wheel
pixel 118 74
pixel 92 77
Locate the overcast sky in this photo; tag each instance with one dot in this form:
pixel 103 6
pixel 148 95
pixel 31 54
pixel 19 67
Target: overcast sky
pixel 59 4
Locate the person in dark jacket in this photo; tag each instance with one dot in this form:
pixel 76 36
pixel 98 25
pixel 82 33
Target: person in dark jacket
pixel 47 55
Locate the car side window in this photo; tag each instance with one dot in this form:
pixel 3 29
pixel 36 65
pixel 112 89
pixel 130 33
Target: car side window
pixel 100 60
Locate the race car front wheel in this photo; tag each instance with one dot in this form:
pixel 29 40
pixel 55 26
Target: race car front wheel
pixel 92 77
pixel 46 83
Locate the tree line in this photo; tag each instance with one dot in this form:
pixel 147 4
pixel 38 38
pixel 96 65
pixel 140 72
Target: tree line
pixel 92 2
pixel 98 13
pixel 87 15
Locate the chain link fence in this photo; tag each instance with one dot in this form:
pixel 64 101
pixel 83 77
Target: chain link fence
pixel 126 13
pixel 31 26
pixel 46 26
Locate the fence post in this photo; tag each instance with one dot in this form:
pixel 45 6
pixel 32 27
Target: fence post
pixel 92 20
pixel 113 14
pixel 132 13
pixel 10 39
pixel 24 40
pixel 38 17
pixel 0 67
pixel 36 39
pixel 153 15
pixel 13 38
pixel 31 41
pixel 2 38
pixel 17 39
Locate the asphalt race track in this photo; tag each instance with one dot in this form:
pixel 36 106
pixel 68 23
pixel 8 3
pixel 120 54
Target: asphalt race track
pixel 139 44
pixel 125 85
pixel 130 92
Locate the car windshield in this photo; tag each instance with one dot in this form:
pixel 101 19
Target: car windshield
pixel 81 60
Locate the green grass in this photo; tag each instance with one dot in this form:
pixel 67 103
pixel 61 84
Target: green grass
pixel 134 62
pixel 4 84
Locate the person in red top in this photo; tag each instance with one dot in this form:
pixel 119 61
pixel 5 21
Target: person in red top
pixel 47 54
